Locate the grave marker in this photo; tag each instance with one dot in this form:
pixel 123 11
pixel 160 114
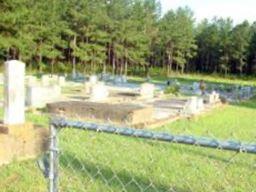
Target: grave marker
pixel 14 92
pixel 99 92
pixel 147 90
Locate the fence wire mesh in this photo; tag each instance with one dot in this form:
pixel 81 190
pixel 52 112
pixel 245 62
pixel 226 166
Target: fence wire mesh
pixel 95 157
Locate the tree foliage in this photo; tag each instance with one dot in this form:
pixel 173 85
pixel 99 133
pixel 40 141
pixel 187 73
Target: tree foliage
pixel 122 35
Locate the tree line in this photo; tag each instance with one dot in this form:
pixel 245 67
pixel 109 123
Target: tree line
pixel 121 36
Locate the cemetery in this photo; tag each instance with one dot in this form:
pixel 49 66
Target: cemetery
pixel 100 98
pixel 127 96
pixel 113 99
pixel 103 98
pixel 97 97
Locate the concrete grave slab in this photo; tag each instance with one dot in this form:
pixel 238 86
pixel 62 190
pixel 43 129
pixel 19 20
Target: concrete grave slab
pixel 37 96
pixel 117 113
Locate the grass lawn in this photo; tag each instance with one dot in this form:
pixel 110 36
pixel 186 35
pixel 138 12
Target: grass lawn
pixel 190 78
pixel 100 162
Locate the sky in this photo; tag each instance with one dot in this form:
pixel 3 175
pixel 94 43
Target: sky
pixel 238 10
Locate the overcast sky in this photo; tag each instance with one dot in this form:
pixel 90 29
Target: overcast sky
pixel 238 10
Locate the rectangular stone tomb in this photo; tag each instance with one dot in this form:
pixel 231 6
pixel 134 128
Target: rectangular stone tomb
pixel 37 96
pixel 171 103
pixel 117 113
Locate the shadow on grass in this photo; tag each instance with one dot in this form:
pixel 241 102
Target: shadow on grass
pixel 122 180
pixel 203 152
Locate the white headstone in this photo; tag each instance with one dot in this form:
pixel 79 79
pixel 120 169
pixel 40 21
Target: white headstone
pixel 216 96
pixel 99 92
pixel 192 106
pixel 212 98
pixel 61 81
pixel 14 92
pixel 147 91
pixel 93 79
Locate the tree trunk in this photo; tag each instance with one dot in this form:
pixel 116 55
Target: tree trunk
pixel 52 63
pixel 8 54
pixel 20 57
pixel 109 54
pixel 147 71
pixel 113 64
pixel 177 68
pixel 182 69
pixel 84 67
pixel 125 67
pixel 125 63
pixel 121 66
pixel 169 69
pixel 74 59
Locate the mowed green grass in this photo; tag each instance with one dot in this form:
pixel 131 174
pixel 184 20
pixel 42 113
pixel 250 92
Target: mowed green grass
pixel 190 78
pixel 101 162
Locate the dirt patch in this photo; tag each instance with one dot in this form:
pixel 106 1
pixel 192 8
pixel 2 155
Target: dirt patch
pixel 22 142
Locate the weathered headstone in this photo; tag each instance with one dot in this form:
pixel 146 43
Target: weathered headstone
pixel 212 98
pixel 20 140
pixel 61 81
pixel 14 93
pixel 93 79
pixel 147 90
pixel 99 92
pixel 192 106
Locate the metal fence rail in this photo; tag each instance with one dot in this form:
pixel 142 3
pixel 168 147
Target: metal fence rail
pixel 182 139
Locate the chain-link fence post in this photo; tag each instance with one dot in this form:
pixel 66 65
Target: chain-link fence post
pixel 53 173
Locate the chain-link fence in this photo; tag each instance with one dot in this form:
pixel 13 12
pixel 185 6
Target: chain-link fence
pixel 95 157
pixel 199 153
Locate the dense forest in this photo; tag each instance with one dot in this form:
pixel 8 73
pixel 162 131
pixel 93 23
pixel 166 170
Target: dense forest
pixel 121 36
